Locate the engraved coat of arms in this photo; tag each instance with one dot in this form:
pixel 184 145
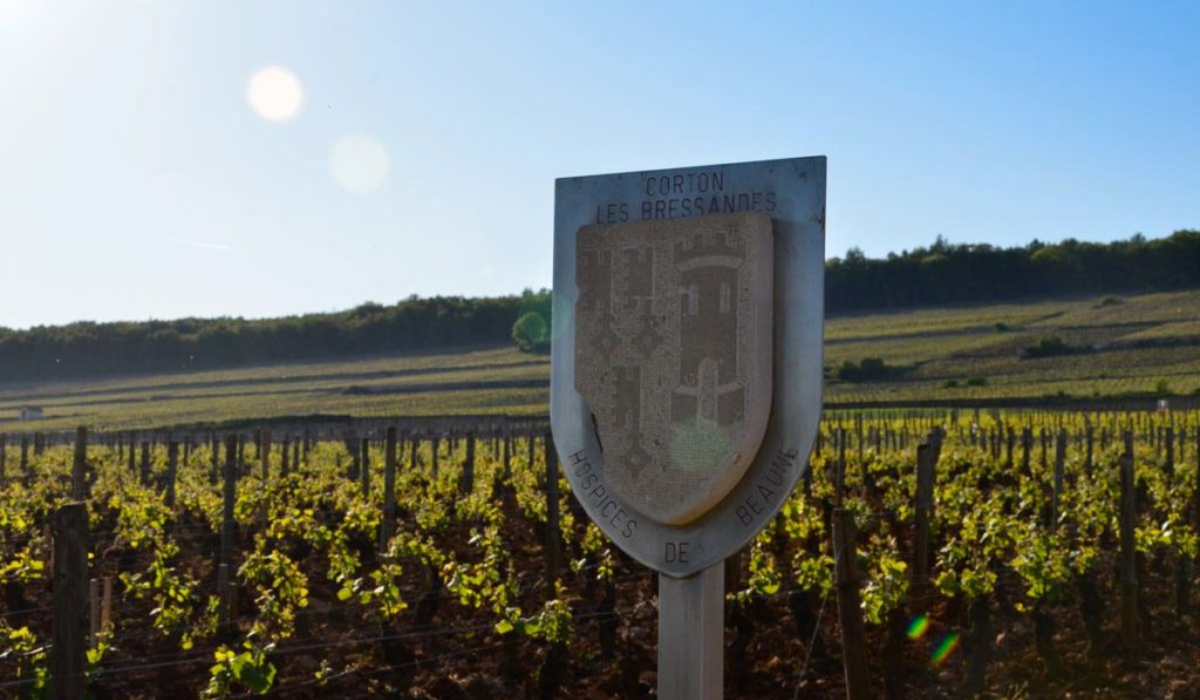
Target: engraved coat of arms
pixel 673 355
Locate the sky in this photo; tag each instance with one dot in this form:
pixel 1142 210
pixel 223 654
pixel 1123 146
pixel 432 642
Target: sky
pixel 166 158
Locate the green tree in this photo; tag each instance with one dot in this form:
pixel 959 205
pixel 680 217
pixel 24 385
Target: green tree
pixel 531 332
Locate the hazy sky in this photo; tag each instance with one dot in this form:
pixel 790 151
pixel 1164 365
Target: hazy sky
pixel 140 176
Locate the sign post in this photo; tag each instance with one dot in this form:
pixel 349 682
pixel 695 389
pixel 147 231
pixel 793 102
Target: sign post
pixel 686 369
pixel 691 635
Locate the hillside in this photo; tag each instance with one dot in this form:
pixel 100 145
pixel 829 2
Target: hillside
pixel 938 275
pixel 1119 346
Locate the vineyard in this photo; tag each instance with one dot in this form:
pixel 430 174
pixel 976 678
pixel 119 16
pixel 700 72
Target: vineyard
pixel 1137 347
pixel 926 555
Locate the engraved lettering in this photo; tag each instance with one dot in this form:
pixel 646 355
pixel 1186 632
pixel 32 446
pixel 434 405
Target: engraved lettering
pixel 676 552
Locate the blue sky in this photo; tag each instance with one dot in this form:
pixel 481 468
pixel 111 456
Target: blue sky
pixel 136 180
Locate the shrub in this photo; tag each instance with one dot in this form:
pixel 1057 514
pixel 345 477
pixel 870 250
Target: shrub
pixel 870 369
pixel 1162 387
pixel 977 381
pixel 1053 346
pixel 1002 327
pixel 950 384
pixel 1110 300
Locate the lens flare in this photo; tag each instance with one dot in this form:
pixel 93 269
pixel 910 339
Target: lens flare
pixel 945 648
pixel 275 94
pixel 359 163
pixel 918 627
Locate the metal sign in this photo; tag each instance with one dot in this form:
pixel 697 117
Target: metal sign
pixel 687 351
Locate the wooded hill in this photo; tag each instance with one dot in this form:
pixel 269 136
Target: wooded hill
pixel 940 274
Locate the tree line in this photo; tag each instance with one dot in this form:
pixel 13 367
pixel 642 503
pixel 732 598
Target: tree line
pixel 942 273
pixel 89 349
pixel 945 273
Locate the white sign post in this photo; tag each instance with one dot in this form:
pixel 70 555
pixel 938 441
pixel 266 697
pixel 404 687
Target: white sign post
pixel 686 372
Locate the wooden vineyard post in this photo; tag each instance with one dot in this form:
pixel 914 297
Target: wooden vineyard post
pixel 215 461
pixel 1089 458
pixel 1026 450
pixel 1128 550
pixel 351 441
pixel 264 455
pixel 858 427
pixel 923 516
pixel 228 530
pixel 3 454
pixel 93 612
pixel 70 602
pixel 854 655
pixel 435 448
pixel 466 482
pixel 839 477
pixel 553 553
pixel 106 603
pixel 145 468
pixel 1183 564
pixel 364 472
pixel 285 455
pixel 26 471
pixel 387 527
pixel 507 473
pixel 1060 457
pixel 1169 462
pixel 79 484
pixel 172 471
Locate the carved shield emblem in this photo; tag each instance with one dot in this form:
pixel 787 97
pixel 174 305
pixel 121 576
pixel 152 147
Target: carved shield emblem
pixel 673 349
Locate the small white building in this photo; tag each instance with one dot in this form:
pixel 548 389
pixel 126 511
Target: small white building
pixel 31 413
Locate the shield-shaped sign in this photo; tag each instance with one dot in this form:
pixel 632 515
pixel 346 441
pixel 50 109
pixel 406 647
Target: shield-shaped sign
pixel 686 355
pixel 673 355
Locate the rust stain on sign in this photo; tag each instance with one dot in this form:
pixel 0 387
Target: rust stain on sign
pixel 673 355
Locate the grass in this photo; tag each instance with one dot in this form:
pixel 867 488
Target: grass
pixel 1135 345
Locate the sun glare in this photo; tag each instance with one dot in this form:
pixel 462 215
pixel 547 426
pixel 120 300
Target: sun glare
pixel 275 94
